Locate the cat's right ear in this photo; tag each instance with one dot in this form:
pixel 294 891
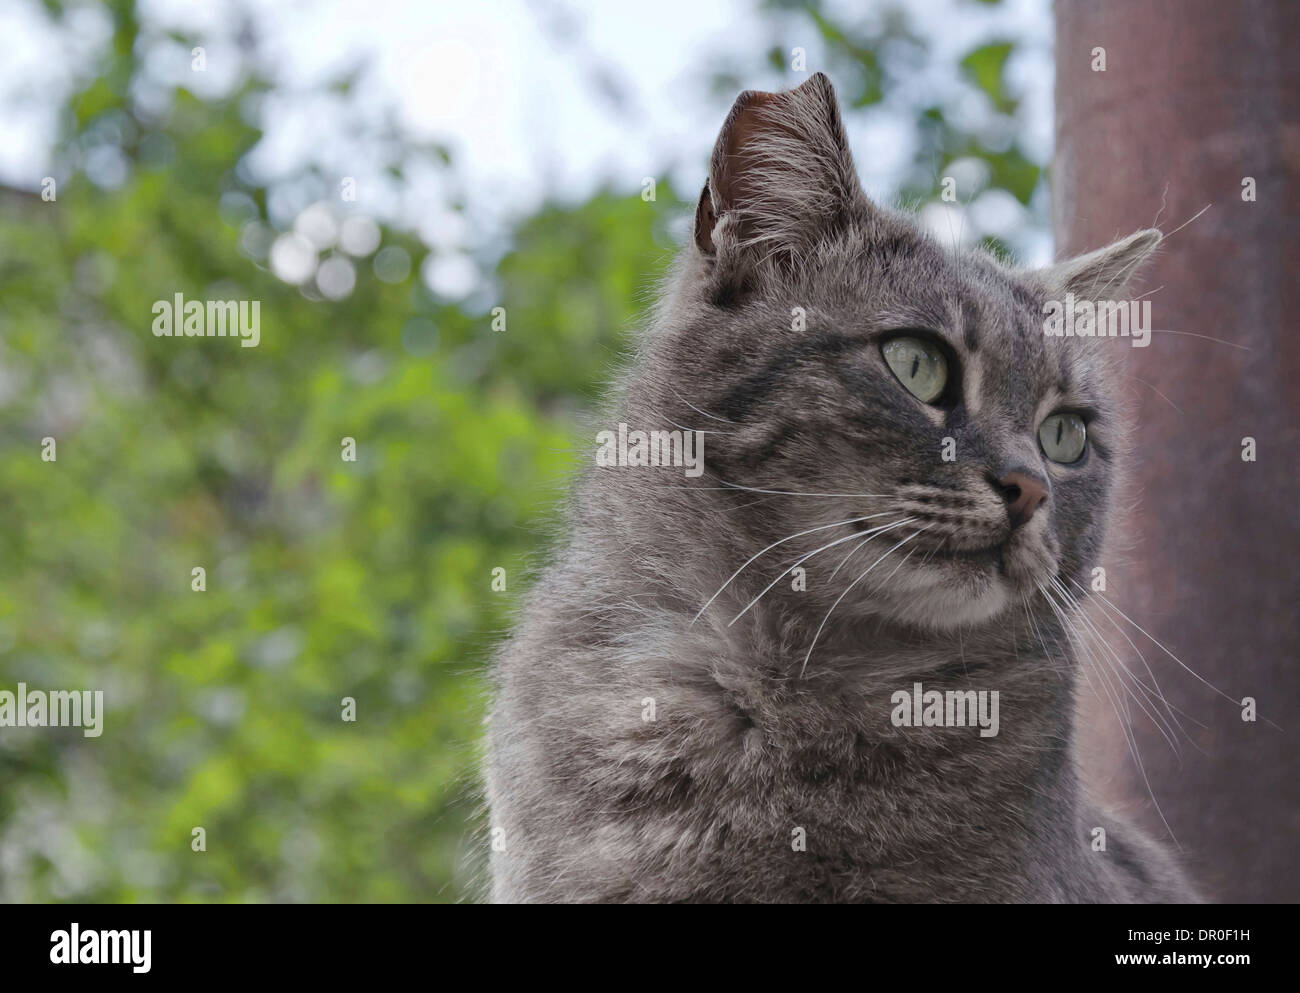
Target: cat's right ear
pixel 781 176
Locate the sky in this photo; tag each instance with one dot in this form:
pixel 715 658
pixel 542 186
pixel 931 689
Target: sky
pixel 511 87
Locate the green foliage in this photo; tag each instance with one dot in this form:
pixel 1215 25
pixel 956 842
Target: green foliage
pixel 874 58
pixel 985 65
pixel 325 579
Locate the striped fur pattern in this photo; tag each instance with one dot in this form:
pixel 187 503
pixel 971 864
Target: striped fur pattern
pixel 676 718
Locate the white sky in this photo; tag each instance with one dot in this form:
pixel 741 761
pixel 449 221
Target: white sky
pixel 516 107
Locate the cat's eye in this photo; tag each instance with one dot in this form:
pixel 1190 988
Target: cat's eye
pixel 919 365
pixel 1063 437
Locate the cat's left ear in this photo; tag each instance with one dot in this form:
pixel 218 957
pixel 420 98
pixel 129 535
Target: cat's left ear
pixel 1103 274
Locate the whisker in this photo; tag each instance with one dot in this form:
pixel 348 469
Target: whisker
pixel 1033 623
pixel 1193 334
pixel 736 486
pixel 866 541
pixel 933 551
pixel 1189 220
pixel 823 527
pixel 685 428
pixel 703 413
pixel 1086 627
pixel 855 582
pixel 1159 394
pixel 1125 728
pixel 1155 689
pixel 1101 597
pixel 1155 682
pixel 1160 646
pixel 901 563
pixel 804 558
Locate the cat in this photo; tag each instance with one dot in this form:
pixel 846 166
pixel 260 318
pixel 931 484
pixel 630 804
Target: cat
pixel 891 416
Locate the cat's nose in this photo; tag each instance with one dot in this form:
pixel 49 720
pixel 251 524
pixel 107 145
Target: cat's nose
pixel 1023 494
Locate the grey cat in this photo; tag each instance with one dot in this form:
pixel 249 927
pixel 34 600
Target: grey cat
pixel 887 421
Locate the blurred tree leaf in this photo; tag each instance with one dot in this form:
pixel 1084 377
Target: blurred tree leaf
pixel 985 65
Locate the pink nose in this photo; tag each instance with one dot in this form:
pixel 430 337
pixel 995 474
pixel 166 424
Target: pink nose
pixel 1023 494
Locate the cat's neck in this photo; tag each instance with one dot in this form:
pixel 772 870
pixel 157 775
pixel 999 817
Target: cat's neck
pixel 941 742
pixel 859 731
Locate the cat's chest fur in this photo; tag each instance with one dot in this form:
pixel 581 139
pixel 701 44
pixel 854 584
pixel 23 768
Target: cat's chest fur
pixel 705 770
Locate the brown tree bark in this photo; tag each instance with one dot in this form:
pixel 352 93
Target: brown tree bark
pixel 1197 96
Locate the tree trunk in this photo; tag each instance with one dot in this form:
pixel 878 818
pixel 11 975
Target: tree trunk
pixel 1197 96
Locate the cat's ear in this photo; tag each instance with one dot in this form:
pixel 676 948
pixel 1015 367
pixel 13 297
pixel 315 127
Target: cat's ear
pixel 780 174
pixel 1105 272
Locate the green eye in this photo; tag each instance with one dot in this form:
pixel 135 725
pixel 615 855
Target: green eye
pixel 1063 437
pixel 919 366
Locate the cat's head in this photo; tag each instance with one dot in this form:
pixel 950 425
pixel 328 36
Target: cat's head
pixel 841 351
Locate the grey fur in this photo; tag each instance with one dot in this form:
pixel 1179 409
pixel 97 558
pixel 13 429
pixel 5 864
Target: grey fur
pixel 590 801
